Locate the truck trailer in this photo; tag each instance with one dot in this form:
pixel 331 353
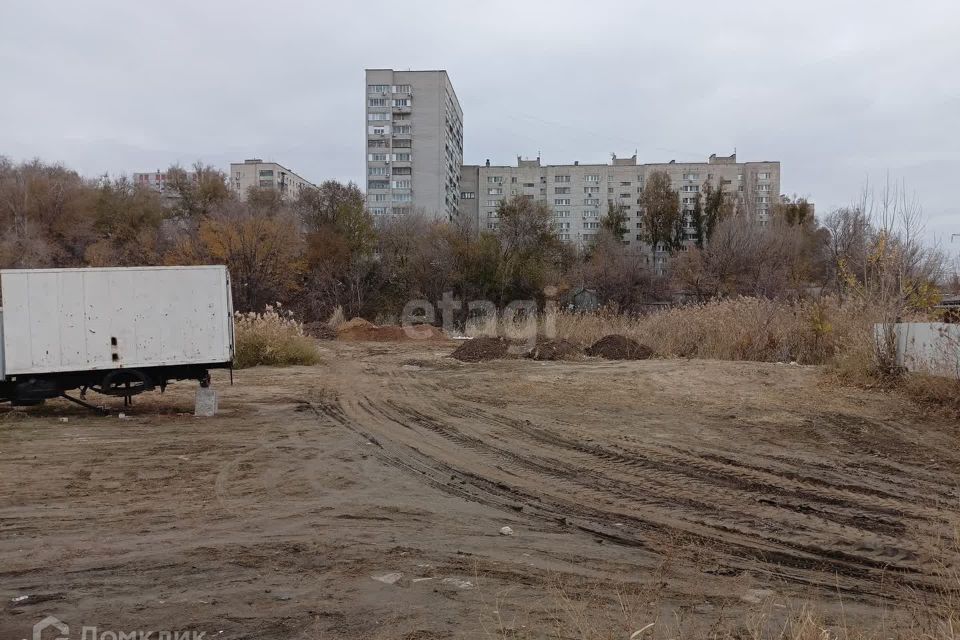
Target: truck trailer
pixel 116 331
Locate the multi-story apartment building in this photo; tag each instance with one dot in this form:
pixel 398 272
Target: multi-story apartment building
pixel 157 180
pixel 580 194
pixel 265 175
pixel 414 142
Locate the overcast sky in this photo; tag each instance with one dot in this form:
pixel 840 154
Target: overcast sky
pixel 839 92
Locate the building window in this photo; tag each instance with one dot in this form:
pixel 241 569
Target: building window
pixel 492 203
pixel 561 189
pixel 562 213
pixel 377 144
pixel 763 187
pixel 378 88
pixel 402 171
pixel 763 175
pixel 691 176
pixel 401 102
pixel 562 202
pixel 403 157
pixel 402 197
pixel 378 211
pixel 495 191
pixel 379 130
pixel 377 157
pixel 378 184
pixel 591 202
pixel 402 184
pixel 591 189
pixel 379 197
pixel 467 195
pixel 402 129
pixel 378 116
pixel 377 102
pixel 266 184
pixel 401 88
pixel 561 178
pixel 494 179
pixel 377 171
pixel 591 177
pixel 690 188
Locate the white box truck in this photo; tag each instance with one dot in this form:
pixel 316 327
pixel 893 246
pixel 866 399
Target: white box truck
pixel 117 331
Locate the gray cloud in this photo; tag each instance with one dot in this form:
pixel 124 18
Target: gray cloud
pixel 837 91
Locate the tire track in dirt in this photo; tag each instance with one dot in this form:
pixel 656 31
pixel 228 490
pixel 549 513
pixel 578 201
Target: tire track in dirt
pixel 687 477
pixel 798 562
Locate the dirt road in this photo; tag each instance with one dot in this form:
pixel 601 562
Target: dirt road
pixel 364 498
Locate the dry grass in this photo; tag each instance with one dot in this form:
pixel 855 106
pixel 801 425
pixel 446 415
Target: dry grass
pixel 336 318
pixel 272 338
pixel 935 392
pixel 823 332
pixel 734 329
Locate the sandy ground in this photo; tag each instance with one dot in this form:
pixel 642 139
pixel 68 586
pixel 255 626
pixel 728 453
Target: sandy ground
pixel 701 495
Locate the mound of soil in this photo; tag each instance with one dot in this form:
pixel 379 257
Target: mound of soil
pixel 320 331
pixel 363 331
pixel 355 323
pixel 617 347
pixel 480 349
pixel 554 350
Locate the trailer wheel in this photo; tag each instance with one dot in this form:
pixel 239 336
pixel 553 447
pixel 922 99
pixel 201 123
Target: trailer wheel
pixel 125 383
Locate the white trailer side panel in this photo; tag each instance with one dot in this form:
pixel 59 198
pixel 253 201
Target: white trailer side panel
pixel 59 320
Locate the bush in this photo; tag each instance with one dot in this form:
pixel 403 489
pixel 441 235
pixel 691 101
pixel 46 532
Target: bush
pixel 271 338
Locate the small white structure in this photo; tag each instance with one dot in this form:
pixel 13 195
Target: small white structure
pixel 926 347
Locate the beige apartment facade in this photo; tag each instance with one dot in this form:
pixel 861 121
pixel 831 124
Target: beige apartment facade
pixel 414 143
pixel 266 175
pixel 579 194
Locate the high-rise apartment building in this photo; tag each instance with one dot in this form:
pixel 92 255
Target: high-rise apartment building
pixel 265 175
pixel 580 194
pixel 414 134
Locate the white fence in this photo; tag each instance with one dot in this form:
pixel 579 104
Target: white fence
pixel 926 347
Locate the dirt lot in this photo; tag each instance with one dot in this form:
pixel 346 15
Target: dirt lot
pixel 699 494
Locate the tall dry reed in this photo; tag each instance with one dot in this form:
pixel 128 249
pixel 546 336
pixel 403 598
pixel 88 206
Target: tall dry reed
pixel 807 332
pixel 273 337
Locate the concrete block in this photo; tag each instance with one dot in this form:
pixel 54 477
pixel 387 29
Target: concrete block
pixel 206 403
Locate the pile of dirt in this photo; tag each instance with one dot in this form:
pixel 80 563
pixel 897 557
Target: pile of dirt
pixel 480 349
pixel 617 347
pixel 355 323
pixel 361 330
pixel 320 331
pixel 554 350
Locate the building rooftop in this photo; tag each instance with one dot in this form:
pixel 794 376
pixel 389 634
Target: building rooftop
pixel 617 162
